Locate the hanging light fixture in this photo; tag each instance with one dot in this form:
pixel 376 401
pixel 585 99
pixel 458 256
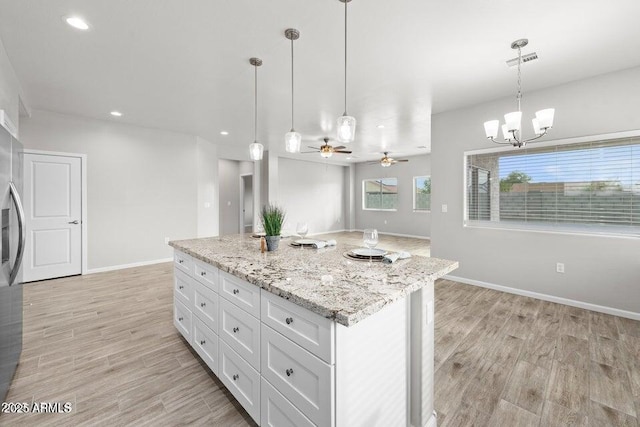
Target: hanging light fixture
pixel 255 149
pixel 346 125
pixel 511 131
pixel 292 139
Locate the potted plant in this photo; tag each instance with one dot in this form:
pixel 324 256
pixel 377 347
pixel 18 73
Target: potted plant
pixel 272 218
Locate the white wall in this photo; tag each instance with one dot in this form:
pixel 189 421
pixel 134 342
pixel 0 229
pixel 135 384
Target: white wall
pixel 208 189
pixel 142 184
pixel 599 270
pixel 311 192
pixel 229 172
pixel 404 220
pixel 10 90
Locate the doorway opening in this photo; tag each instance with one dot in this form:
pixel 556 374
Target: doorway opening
pixel 246 203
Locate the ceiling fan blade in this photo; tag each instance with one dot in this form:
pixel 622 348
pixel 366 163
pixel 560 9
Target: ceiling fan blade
pixel 402 160
pixel 342 151
pixel 315 148
pixel 373 163
pixel 307 152
pixel 339 147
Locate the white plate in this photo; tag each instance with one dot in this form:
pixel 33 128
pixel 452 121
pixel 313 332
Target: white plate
pixel 369 252
pixel 305 241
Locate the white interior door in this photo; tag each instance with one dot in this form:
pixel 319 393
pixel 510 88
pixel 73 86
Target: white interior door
pixel 53 211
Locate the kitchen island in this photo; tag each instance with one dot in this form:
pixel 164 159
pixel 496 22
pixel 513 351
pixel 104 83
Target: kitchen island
pixel 307 336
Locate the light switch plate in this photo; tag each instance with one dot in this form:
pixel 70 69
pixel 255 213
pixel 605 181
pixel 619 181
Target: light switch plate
pixel 444 208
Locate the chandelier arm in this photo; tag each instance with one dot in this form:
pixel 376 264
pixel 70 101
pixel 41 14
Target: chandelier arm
pixel 501 142
pixel 536 137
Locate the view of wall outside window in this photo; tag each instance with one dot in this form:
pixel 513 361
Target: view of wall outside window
pixel 422 193
pixel 380 193
pixel 587 184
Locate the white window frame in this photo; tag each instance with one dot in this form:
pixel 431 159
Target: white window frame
pixel 364 198
pixel 415 210
pixel 579 229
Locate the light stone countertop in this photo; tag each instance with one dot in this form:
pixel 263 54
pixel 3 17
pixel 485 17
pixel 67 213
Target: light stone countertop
pixel 320 280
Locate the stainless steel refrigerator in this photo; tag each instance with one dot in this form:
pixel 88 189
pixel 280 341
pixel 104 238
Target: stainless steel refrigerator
pixel 12 248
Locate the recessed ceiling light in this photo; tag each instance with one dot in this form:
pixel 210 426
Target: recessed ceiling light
pixel 116 113
pixel 224 132
pixel 380 126
pixel 77 22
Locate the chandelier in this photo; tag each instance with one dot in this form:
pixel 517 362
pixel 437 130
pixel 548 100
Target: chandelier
pixel 292 139
pixel 511 130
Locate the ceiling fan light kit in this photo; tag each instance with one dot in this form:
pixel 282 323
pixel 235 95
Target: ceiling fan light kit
pixel 511 129
pixel 292 139
pixel 255 149
pixel 346 124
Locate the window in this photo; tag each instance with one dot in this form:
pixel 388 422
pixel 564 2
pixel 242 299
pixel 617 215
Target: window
pixel 592 186
pixel 380 194
pixel 422 193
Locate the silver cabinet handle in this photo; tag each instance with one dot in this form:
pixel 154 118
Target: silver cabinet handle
pixel 203 273
pixel 74 222
pixel 235 330
pixel 21 234
pixel 289 372
pixel 180 261
pixel 202 342
pixel 236 291
pixel 180 319
pixel 202 304
pixel 235 376
pixel 289 320
pixel 180 287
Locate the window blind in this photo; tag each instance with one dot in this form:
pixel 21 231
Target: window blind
pixel 595 184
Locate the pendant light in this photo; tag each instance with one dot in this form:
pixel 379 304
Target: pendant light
pixel 511 130
pixel 292 139
pixel 346 124
pixel 255 149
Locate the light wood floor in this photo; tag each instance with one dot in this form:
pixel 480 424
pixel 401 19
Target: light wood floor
pixel 106 343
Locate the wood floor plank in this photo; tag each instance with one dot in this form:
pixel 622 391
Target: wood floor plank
pixel 610 387
pixel 601 415
pixel 603 325
pixel 607 351
pixel 572 350
pixel 539 350
pixel 485 389
pixel 526 387
pixel 554 415
pixel 569 386
pixel 466 416
pixel 508 414
pixel 574 325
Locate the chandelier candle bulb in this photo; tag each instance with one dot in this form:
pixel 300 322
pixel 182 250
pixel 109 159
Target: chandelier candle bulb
pixel 491 128
pixel 513 120
pixel 545 118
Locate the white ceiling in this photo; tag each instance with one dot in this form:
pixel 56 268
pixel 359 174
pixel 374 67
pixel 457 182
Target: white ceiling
pixel 184 65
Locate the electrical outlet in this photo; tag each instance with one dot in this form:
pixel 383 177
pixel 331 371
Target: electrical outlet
pixel 166 240
pixel 444 208
pixel 559 267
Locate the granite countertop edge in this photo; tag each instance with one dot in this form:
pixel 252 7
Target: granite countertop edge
pixel 339 316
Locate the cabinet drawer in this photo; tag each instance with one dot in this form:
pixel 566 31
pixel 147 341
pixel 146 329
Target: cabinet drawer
pixel 241 293
pixel 276 411
pixel 205 305
pixel 183 287
pixel 206 274
pixel 240 331
pixel 241 379
pixel 182 319
pixel 305 380
pixel 205 342
pixel 183 262
pixel 309 330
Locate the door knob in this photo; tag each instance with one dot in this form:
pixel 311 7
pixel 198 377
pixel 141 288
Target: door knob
pixel 74 222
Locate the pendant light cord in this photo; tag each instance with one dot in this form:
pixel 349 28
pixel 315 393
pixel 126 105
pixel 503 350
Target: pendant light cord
pixel 345 56
pixel 519 96
pixel 255 106
pixel 292 93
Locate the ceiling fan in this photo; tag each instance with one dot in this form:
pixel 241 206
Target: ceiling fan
pixel 387 161
pixel 327 150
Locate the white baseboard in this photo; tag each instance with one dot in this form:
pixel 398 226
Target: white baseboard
pixel 398 234
pixel 545 297
pixel 123 266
